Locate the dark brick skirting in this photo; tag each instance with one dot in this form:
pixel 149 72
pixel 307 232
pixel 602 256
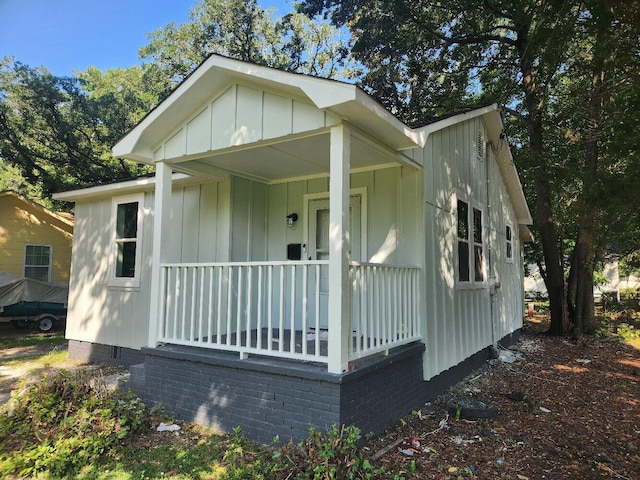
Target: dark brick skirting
pixel 268 397
pixel 100 353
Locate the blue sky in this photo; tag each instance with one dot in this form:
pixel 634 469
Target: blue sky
pixel 68 35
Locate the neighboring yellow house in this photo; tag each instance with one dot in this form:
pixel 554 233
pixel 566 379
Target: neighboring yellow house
pixel 34 241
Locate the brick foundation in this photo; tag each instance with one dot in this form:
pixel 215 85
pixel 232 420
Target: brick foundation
pixel 100 353
pixel 270 397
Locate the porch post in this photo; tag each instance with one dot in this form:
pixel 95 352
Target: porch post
pixel 339 290
pixel 161 218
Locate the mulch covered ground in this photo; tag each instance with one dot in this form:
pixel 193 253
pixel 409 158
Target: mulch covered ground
pixel 565 410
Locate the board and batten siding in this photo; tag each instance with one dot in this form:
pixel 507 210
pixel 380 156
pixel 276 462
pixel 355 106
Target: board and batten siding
pixel 119 316
pixel 239 115
pixel 458 321
pixel 393 215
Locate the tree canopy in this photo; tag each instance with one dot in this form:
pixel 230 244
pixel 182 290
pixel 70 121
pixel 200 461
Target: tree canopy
pixel 58 130
pixel 241 29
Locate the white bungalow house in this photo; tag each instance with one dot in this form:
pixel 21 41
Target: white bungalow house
pixel 301 257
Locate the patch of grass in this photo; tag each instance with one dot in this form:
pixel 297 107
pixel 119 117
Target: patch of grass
pixel 33 340
pixel 47 360
pixel 193 453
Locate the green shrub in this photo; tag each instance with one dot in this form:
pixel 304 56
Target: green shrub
pixel 62 423
pixel 628 332
pixel 333 456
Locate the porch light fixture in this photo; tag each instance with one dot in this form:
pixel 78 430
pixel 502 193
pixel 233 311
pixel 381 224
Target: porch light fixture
pixel 291 219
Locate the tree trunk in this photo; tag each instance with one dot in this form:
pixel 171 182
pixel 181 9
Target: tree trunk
pixel 554 279
pixel 580 299
pixel 581 302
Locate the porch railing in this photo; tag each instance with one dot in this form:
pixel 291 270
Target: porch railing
pixel 384 306
pixel 280 309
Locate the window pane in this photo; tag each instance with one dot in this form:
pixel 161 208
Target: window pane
pixel 126 262
pixel 508 233
pixel 37 273
pixel 127 220
pixel 509 251
pixel 477 225
pixel 463 220
pixel 37 255
pixel 479 275
pixel 463 261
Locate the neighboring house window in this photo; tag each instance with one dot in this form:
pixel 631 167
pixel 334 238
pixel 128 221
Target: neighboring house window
pixel 509 243
pixel 37 262
pixel 470 243
pixel 127 221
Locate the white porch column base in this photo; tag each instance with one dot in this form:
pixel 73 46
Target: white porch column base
pixel 161 219
pixel 339 289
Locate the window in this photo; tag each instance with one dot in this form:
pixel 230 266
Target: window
pixel 478 258
pixel 37 262
pixel 470 244
pixel 509 243
pixel 127 232
pixel 463 241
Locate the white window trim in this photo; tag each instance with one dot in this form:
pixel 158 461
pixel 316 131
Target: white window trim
pixel 509 259
pixel 472 204
pixel 125 282
pixel 24 259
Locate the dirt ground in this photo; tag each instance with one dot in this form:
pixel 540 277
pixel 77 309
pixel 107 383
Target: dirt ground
pixel 10 377
pixel 566 410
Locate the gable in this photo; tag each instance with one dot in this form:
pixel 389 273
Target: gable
pixel 241 114
pixel 307 94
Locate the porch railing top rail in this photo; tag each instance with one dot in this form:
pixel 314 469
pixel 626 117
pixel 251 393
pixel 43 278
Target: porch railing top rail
pixel 284 262
pixel 255 263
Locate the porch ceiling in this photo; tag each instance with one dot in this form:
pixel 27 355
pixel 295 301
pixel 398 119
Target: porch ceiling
pixel 270 162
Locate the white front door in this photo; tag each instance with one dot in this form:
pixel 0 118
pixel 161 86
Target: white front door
pixel 318 241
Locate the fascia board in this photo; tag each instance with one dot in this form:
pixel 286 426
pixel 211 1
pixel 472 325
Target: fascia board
pixel 112 189
pixel 461 117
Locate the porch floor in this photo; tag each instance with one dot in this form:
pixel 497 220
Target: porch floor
pixel 275 341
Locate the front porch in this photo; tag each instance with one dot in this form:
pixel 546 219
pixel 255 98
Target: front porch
pixel 280 309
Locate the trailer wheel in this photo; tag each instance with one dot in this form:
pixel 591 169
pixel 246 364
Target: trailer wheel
pixel 45 324
pixel 20 324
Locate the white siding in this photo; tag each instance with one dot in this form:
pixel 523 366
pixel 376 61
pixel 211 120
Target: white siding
pixel 393 199
pixel 119 316
pixel 248 225
pixel 458 320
